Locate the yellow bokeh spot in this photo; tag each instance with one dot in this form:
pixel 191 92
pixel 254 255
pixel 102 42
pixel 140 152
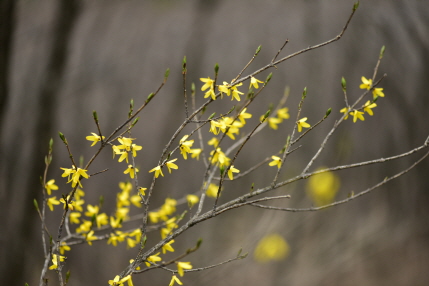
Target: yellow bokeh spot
pixel 271 247
pixel 322 188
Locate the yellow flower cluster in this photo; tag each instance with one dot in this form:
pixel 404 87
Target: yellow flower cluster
pixel 274 121
pixel 368 106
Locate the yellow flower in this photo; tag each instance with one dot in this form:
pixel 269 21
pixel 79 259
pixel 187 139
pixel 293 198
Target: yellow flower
pixel 170 165
pixel 208 83
pixel 225 88
pixel 153 258
pixel 283 113
pixel 68 172
pixel 301 123
pixel 368 107
pixel 235 94
pixel 131 170
pixel 115 222
pixel 136 200
pixel 90 237
pixel 95 138
pixel 185 146
pixel 210 93
pixel 120 282
pixel 322 188
pixel 84 227
pixel 55 261
pixel 74 217
pixel 92 210
pixel 167 247
pixel 102 219
pixel 175 279
pixel 213 142
pixel 345 110
pixel 51 202
pixel 196 153
pixel 157 170
pixel 78 194
pixel 64 247
pixel 65 202
pixel 76 176
pixel 254 82
pixel 231 171
pixel 183 265
pixel 212 191
pixel 357 114
pixel 192 200
pixel 134 148
pixel 243 116
pixel 273 122
pixel 366 83
pixel 50 186
pixel 277 161
pixel 377 92
pixel 271 247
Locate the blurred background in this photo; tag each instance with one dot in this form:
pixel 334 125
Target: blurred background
pixel 59 60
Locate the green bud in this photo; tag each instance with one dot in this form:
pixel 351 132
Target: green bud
pixel 304 93
pixel 203 110
pixel 51 143
pixel 63 138
pixel 343 84
pixel 252 187
pixel 132 104
pixel 199 242
pixel 258 50
pixel 375 98
pixel 150 96
pixel 144 239
pixel 167 73
pixel 193 88
pixel 266 115
pixel 222 170
pixel 101 201
pixel 36 205
pixel 184 64
pixel 328 112
pixel 211 116
pixel 67 276
pixel 94 114
pixel 26 284
pixel 268 78
pixel 46 160
pixel 355 6
pixel 239 252
pixel 216 68
pixel 383 48
pixel 135 121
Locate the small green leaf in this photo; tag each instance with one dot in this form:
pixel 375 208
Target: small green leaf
pixel 328 112
pixel 383 48
pixel 150 96
pixel 67 276
pixel 36 205
pixel 304 93
pixel 199 242
pixel 258 50
pixel 167 73
pixel 94 114
pixel 211 116
pixel 266 115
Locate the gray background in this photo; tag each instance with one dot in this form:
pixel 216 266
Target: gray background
pixel 60 62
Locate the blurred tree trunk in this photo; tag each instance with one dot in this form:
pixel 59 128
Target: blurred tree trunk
pixel 24 224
